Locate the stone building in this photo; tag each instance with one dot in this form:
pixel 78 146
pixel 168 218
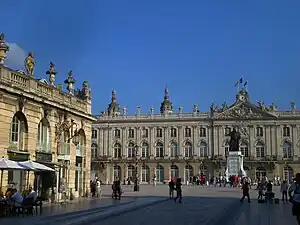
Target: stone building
pixel 172 144
pixel 41 122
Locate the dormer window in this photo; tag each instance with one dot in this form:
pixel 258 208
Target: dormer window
pixel 188 132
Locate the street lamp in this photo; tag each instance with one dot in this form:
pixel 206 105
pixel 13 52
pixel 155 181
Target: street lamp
pixel 136 185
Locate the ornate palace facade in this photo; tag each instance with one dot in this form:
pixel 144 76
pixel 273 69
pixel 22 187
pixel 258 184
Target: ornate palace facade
pixel 41 122
pixel 184 144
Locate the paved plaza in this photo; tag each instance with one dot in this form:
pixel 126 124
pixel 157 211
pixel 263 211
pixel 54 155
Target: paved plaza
pixel 204 205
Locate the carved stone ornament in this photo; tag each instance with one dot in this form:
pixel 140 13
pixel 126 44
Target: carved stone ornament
pixel 22 102
pixel 241 111
pixel 47 110
pixel 82 124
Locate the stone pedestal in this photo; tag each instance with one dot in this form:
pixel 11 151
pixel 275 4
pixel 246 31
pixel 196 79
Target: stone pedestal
pixel 235 165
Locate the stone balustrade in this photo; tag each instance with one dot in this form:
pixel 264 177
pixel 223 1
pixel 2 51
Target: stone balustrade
pixel 26 84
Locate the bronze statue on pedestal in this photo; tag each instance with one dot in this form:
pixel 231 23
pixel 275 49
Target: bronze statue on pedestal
pixel 234 142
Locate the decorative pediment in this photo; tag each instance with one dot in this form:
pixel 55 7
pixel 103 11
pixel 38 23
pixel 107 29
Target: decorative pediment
pixel 244 110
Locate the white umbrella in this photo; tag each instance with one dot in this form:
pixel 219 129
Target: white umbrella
pixel 6 164
pixel 35 166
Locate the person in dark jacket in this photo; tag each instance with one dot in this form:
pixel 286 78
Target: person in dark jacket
pixel 171 188
pixel 178 190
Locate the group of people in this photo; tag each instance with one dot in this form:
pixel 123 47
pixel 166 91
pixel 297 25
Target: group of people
pixel 175 185
pixel 95 186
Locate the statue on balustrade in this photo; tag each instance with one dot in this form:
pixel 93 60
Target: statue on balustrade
pixel 234 142
pixel 30 64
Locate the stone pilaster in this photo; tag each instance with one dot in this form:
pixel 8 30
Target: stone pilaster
pixel 151 145
pixel 138 136
pixel 220 142
pixel 123 140
pixel 294 140
pixel 279 151
pixel 110 142
pixel 273 140
pixel 105 141
pixel 195 139
pixel 100 142
pixel 166 141
pixel 252 138
pixel 268 148
pixel 209 140
pixel 215 140
pixel 180 140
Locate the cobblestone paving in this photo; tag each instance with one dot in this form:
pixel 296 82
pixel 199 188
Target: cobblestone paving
pixel 194 210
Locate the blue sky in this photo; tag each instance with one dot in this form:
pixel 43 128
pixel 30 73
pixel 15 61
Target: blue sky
pixel 198 49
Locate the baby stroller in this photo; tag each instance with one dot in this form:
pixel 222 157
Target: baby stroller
pixel 269 196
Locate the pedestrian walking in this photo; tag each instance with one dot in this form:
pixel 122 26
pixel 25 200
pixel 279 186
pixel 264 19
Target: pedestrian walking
pixel 178 190
pixel 245 189
pixel 294 195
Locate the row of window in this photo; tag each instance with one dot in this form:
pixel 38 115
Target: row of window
pixel 202 151
pixel 173 132
pixel 146 174
pixel 19 135
pixel 159 132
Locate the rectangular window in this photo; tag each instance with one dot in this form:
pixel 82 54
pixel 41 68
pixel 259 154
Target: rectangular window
pixel 145 133
pixel 259 132
pixel 202 132
pixel 158 132
pixel 94 133
pixel 130 133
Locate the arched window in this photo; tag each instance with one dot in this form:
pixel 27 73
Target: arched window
pixel 174 149
pixel 159 173
pixel 130 150
pixel 130 172
pixel 80 147
pixel 203 151
pixel 260 150
pixel 117 172
pixel 188 172
pixel 94 150
pixel 261 173
pixel 117 151
pixel 145 150
pixel 19 132
pixel 287 150
pixel 145 174
pixel 288 173
pixel 159 150
pixel 64 144
pixel 244 149
pixel 188 149
pixel 174 172
pixel 43 143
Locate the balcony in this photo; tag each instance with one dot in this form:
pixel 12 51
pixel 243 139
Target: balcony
pixel 80 150
pixel 43 147
pixel 63 151
pixel 15 146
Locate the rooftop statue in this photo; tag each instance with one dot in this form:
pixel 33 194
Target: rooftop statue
pixel 30 64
